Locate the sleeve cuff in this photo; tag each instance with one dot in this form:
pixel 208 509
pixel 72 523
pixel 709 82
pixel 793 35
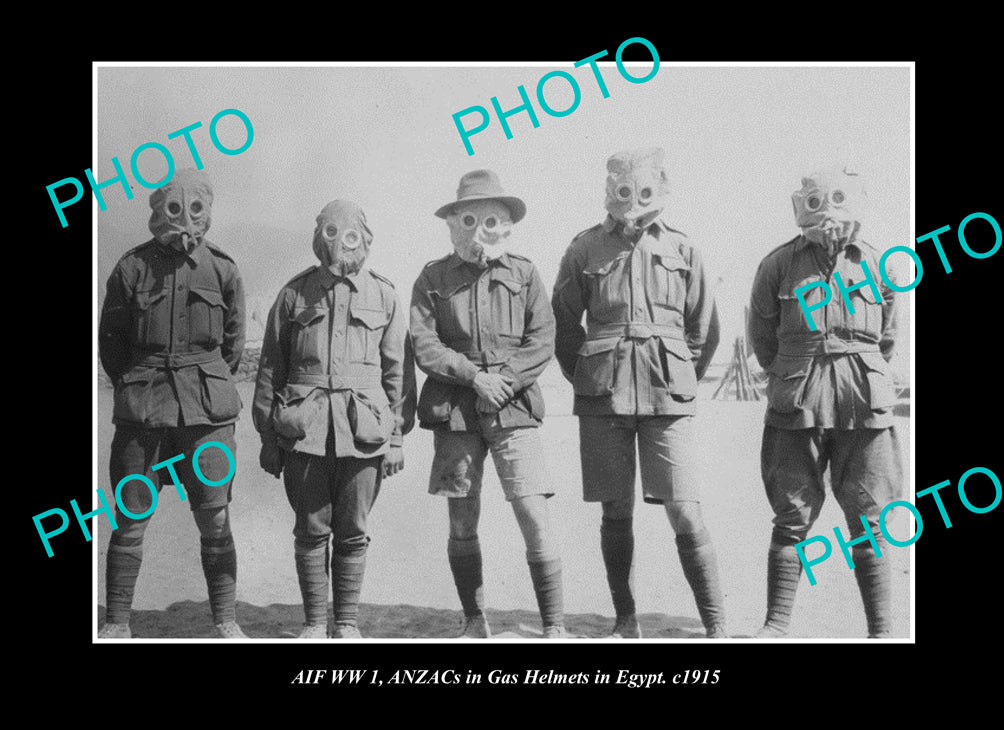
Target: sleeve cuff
pixel 468 372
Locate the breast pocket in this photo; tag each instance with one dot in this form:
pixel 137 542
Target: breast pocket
pixel 205 317
pixel 793 317
pixel 867 318
pixel 454 318
pixel 607 288
pixel 509 308
pixel 366 328
pixel 668 282
pixel 151 319
pixel 309 330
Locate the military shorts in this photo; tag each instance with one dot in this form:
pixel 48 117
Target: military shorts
pixel 135 450
pixel 458 464
pixel 866 473
pixel 665 454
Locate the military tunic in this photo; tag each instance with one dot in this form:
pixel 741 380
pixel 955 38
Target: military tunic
pixel 836 376
pixel 464 320
pixel 333 360
pixel 170 336
pixel 651 330
pixel 830 393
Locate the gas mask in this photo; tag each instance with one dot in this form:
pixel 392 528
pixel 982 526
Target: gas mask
pixel 637 188
pixel 828 208
pixel 342 238
pixel 480 230
pixel 182 209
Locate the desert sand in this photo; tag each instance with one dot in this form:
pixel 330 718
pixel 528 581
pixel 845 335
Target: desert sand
pixel 409 592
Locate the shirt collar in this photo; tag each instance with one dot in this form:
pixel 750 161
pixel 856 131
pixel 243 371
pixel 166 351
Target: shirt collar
pixel 191 253
pixel 855 243
pixel 655 228
pixel 328 278
pixel 455 262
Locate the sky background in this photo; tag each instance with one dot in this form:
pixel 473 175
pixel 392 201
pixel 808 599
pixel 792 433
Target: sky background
pixel 738 140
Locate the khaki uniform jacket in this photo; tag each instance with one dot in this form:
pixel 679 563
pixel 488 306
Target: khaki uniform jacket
pixel 651 324
pixel 464 320
pixel 171 335
pixel 836 376
pixel 335 358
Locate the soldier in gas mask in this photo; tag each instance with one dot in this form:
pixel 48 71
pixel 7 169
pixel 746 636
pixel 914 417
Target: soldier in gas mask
pixel 651 330
pixel 483 333
pixel 171 335
pixel 331 407
pixel 830 393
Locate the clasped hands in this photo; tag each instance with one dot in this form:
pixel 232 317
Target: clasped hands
pixel 493 390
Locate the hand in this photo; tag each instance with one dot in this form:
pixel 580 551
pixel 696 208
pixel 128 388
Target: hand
pixel 271 458
pixel 493 388
pixel 393 461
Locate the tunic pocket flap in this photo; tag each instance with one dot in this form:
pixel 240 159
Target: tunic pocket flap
pixel 511 284
pixel 881 390
pixel 296 408
pixel 593 347
pixel 138 375
pixel 144 299
pixel 372 422
pixel 447 290
pixel 305 317
pixel 215 369
pixel 602 268
pixel 670 262
pixel 372 318
pixel 219 394
pixel 864 292
pixel 594 370
pixel 790 368
pixel 677 347
pixel 813 295
pixel 875 362
pixel 211 296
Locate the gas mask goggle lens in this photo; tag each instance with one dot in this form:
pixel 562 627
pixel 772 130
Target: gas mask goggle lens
pixel 349 238
pixel 469 221
pixel 835 198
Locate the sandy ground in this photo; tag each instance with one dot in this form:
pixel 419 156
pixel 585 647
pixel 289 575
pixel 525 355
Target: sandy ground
pixel 409 592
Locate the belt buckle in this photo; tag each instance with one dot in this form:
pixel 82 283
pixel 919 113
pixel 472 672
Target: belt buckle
pixel 638 331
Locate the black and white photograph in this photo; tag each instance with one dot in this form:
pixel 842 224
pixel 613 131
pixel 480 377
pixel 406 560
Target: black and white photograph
pixel 605 372
pixel 411 365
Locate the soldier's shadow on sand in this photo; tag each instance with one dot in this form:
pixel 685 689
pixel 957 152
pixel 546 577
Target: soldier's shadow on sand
pixel 192 620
